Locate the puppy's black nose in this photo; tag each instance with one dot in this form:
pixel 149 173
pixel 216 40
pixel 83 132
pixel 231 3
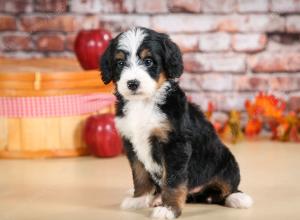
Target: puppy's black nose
pixel 133 84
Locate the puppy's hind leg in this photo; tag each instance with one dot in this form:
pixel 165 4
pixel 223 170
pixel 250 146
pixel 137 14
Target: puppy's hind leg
pixel 219 192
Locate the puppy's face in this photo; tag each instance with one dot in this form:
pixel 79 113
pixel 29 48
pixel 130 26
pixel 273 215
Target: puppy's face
pixel 139 61
pixel 138 65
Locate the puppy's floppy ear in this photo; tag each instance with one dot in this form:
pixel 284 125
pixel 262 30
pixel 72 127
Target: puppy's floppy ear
pixel 106 64
pixel 172 59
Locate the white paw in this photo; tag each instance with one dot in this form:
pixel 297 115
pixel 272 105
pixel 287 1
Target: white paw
pixel 239 200
pixel 136 202
pixel 162 212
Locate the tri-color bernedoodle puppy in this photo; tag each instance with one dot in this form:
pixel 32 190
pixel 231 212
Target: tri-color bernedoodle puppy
pixel 174 152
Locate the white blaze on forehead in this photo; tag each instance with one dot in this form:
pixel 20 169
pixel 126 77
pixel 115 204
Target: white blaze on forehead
pixel 131 40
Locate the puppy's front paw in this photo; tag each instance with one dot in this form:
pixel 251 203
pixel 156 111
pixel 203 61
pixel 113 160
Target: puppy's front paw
pixel 136 202
pixel 162 212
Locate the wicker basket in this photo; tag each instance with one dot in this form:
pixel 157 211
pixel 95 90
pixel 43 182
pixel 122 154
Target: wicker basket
pixel 43 104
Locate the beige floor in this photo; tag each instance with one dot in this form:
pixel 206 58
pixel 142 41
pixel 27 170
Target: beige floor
pixel 89 188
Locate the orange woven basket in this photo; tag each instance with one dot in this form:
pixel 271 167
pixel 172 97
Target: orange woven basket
pixel 49 136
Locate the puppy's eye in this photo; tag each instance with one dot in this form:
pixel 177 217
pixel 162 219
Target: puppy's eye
pixel 120 63
pixel 148 62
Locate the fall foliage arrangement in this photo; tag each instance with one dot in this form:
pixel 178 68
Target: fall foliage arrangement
pixel 265 113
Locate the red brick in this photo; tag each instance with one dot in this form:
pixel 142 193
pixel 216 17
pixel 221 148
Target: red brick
pixel 118 23
pixel 14 42
pixel 50 42
pixel 201 99
pixel 96 6
pixel 16 6
pixel 294 102
pixel 293 24
pixel 118 6
pixel 278 62
pixel 47 23
pixel 21 54
pixel 233 101
pixel 281 47
pixel 249 42
pixel 191 82
pixel 185 5
pixel 65 54
pixel 283 42
pixel 186 42
pixel 7 23
pixel 251 83
pixel 252 23
pixel 85 22
pixel 57 6
pixel 85 6
pixel 196 62
pixel 214 42
pixel 225 101
pixel 184 23
pixel 217 82
pixel 220 6
pixel 253 5
pixel 57 23
pixel 285 6
pixel 284 83
pixel 221 102
pixel 153 6
pixel 70 39
pixel 206 82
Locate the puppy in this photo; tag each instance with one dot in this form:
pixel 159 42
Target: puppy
pixel 174 152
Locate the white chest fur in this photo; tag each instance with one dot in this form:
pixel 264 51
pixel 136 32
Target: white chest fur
pixel 141 117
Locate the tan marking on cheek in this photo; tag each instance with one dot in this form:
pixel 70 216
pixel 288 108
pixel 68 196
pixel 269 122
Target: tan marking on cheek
pixel 120 56
pixel 162 132
pixel 145 53
pixel 162 78
pixel 142 180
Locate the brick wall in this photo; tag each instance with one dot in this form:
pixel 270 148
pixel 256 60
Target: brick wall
pixel 232 48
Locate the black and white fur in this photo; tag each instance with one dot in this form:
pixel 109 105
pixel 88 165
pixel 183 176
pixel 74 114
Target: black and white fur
pixel 174 152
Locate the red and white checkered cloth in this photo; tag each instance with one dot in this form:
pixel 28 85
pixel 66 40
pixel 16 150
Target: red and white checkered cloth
pixel 54 106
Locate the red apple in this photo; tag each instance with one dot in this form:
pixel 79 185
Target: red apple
pixel 89 47
pixel 101 136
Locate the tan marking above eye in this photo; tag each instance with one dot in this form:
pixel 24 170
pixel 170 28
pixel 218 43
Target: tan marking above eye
pixel 145 53
pixel 120 56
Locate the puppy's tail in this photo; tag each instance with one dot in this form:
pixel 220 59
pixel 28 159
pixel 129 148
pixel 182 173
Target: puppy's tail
pixel 239 200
